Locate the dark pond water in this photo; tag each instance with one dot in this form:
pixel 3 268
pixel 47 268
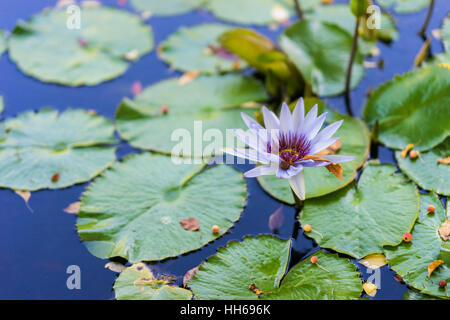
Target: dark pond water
pixel 36 248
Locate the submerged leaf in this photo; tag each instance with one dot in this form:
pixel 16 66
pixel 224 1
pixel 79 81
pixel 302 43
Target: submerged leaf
pixel 276 219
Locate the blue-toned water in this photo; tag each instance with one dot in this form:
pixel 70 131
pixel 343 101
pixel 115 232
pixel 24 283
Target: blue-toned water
pixel 37 247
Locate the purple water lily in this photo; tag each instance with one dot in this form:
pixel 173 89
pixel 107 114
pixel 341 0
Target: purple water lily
pixel 285 146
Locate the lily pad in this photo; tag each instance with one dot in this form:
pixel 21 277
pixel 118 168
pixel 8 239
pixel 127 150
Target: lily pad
pixel 166 7
pixel 47 49
pixel 341 15
pixel 253 269
pixel 414 295
pixel 445 33
pixel 196 49
pixel 51 150
pixel 214 100
pixel 412 108
pixel 3 44
pixel 362 218
pixel 321 52
pixel 138 283
pixel 404 6
pixel 426 171
pixel 257 12
pixel 355 138
pixel 134 209
pixel 411 259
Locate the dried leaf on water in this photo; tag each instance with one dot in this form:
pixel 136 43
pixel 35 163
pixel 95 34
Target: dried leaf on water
pixel 73 208
pixel 373 261
pixel 189 275
pixel 370 288
pixel 433 266
pixel 115 266
pixel 190 224
pixel 444 230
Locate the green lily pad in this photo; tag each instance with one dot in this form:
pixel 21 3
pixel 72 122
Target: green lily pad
pixel 445 33
pixel 404 6
pixel 257 12
pixel 355 138
pixel 262 261
pixel 412 108
pixel 166 7
pixel 214 100
pixel 46 49
pixel 3 44
pixel 134 209
pixel 321 52
pixel 411 259
pixel 138 283
pixel 341 15
pixel 192 49
pixel 414 295
pixel 426 171
pixel 362 218
pixel 51 150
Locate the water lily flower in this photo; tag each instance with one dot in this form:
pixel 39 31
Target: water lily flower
pixel 286 145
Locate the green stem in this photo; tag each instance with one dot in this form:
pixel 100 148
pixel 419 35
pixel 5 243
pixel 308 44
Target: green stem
pixel 423 30
pixel 298 202
pixel 348 77
pixel 298 9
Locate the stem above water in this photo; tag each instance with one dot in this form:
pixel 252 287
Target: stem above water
pixel 348 76
pixel 298 9
pixel 298 202
pixel 423 30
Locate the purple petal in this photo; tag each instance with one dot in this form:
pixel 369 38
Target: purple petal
pixel 338 158
pixel 270 119
pixel 297 184
pixel 260 171
pixel 252 124
pixel 321 145
pixel 315 126
pixel 328 131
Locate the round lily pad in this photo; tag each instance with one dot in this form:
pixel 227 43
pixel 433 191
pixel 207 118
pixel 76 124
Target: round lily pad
pixel 362 218
pixel 197 49
pixel 138 283
pixel 411 259
pixel 134 210
pixel 253 269
pixel 321 52
pixel 355 138
pixel 49 46
pixel 211 102
pixel 3 43
pixel 445 33
pixel 51 150
pixel 414 295
pixel 412 108
pixel 404 6
pixel 257 12
pixel 426 171
pixel 166 7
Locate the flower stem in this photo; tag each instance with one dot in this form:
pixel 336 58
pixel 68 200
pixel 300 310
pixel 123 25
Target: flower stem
pixel 423 30
pixel 298 202
pixel 348 77
pixel 298 9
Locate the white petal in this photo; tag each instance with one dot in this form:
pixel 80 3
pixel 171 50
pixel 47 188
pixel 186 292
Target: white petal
pixel 309 119
pixel 315 126
pixel 282 174
pixel 260 171
pixel 297 184
pixel 323 144
pixel 255 142
pixel 298 116
pixel 328 131
pixel 338 158
pixel 270 119
pixel 253 155
pixel 285 118
pixel 251 123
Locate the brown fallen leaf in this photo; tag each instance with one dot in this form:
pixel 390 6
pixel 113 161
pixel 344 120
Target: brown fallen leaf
pixel 444 229
pixel 73 208
pixel 115 266
pixel 405 151
pixel 336 169
pixel 276 219
pixel 55 177
pixel 25 195
pixel 444 160
pixel 432 266
pixel 370 288
pixel 399 279
pixel 190 224
pixel 252 287
pixel 331 149
pixel 188 77
pixel 373 261
pixel 189 275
